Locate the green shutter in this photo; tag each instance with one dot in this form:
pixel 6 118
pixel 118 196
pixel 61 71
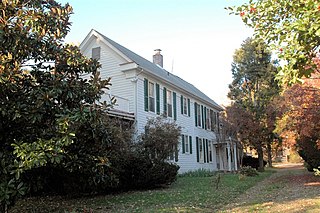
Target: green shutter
pixel 158 98
pixel 202 116
pixel 197 147
pixel 190 143
pixel 164 101
pixel 188 107
pixel 176 154
pixel 174 106
pixel 205 117
pixel 204 150
pixel 195 114
pixel 207 148
pixel 181 100
pixel 183 149
pixel 146 107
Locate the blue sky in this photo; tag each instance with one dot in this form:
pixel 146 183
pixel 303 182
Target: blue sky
pixel 197 37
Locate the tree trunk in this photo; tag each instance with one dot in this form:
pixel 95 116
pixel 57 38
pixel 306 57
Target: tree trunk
pixel 260 158
pixel 269 154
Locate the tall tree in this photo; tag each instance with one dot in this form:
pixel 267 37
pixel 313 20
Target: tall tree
pixel 300 120
pixel 41 89
pixel 292 28
pixel 252 88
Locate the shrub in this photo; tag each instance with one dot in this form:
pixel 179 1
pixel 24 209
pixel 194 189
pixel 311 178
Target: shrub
pixel 309 152
pixel 251 161
pixel 248 171
pixel 198 173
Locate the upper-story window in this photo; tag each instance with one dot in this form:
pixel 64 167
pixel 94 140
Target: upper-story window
pixel 96 53
pixel 185 105
pixel 151 95
pixel 169 103
pixel 198 115
pixel 208 119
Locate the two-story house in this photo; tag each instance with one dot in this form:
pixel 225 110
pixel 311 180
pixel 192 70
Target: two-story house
pixel 144 90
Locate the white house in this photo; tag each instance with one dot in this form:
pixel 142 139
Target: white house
pixel 144 90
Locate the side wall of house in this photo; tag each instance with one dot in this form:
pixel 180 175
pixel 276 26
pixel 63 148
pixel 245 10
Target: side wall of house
pixel 121 88
pixel 187 159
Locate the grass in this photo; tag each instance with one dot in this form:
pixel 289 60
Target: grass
pixel 190 193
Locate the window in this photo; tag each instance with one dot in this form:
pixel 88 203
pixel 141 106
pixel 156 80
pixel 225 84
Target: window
pixel 198 115
pixel 169 103
pixel 185 144
pixel 208 120
pixel 185 105
pixel 201 151
pixel 151 95
pixel 210 151
pixel 212 119
pixel 96 53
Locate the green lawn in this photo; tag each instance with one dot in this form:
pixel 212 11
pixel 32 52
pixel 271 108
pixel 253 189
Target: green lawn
pixel 187 194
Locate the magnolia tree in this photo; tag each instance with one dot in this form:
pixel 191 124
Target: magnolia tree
pixel 292 30
pixel 41 89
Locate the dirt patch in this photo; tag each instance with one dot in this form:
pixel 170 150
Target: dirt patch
pixel 290 189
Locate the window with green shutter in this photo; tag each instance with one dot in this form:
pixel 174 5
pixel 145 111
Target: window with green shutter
pixel 182 145
pixel 158 98
pixel 164 101
pixel 202 124
pixel 146 97
pixel 190 143
pixel 197 149
pixel 188 107
pixel 207 150
pixel 195 114
pixel 204 150
pixel 181 104
pixel 174 106
pixel 205 117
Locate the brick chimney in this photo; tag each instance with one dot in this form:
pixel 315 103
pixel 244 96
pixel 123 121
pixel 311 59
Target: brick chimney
pixel 158 58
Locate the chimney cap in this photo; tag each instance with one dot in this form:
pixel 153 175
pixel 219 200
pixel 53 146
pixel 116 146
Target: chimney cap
pixel 158 50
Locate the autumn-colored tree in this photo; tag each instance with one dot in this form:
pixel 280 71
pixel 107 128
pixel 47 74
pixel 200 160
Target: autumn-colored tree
pixel 252 88
pixel 291 28
pixel 300 121
pixel 41 89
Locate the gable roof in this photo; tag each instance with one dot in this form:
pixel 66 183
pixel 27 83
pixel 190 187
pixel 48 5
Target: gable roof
pixel 158 71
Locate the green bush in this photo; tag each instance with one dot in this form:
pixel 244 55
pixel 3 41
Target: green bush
pixel 248 171
pixel 198 173
pixel 139 172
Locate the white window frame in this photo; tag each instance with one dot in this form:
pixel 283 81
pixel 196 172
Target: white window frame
pixel 186 144
pixel 210 151
pixel 199 116
pixel 169 103
pixel 151 97
pixel 208 121
pixel 201 150
pixel 185 105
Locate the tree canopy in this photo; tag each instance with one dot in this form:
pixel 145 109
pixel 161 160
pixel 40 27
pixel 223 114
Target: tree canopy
pixel 42 89
pixel 252 89
pixel 292 30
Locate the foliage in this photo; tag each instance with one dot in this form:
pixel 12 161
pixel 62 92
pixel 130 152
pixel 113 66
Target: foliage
pixel 252 89
pixel 42 89
pixel 88 165
pixel 299 121
pixel 138 171
pixel 248 171
pixel 146 165
pixel 292 30
pixel 251 162
pixel 198 173
pixel 161 138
